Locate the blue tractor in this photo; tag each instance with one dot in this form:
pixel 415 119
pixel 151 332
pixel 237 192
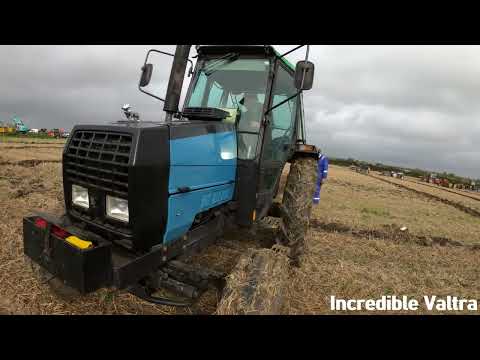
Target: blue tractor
pixel 141 195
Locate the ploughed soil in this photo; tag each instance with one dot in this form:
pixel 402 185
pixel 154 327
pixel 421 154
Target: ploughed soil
pixel 368 238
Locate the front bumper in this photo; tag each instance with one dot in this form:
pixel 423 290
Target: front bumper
pixel 84 270
pixel 106 264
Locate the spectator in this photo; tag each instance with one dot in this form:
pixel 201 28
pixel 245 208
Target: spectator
pixel 322 175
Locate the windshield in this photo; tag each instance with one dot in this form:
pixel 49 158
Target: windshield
pixel 236 84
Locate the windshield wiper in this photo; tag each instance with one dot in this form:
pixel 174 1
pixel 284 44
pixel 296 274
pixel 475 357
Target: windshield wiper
pixel 224 60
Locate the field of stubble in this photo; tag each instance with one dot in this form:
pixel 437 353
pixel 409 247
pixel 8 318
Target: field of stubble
pixel 355 247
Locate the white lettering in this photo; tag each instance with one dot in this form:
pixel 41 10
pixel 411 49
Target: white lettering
pixel 413 305
pixel 448 303
pixel 441 305
pixel 429 302
pixel 397 304
pixel 472 305
pixel 342 306
pixel 380 304
pixel 351 305
pixel 403 303
pixel 370 305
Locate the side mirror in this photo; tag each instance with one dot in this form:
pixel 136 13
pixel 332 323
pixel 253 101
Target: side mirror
pixel 304 75
pixel 147 73
pixel 147 70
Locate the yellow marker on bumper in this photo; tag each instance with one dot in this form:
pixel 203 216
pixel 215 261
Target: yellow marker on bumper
pixel 79 243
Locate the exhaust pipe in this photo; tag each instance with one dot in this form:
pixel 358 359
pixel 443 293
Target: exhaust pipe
pixel 175 82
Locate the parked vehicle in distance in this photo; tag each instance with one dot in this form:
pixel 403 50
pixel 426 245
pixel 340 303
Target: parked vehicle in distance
pixel 33 131
pixel 55 133
pixel 65 134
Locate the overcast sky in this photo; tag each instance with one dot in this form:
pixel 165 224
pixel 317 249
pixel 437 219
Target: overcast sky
pixel 414 106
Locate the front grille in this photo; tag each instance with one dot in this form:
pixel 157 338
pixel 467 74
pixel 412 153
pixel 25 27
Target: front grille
pixel 99 159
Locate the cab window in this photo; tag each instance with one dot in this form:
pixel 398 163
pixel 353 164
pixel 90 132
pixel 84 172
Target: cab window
pixel 240 85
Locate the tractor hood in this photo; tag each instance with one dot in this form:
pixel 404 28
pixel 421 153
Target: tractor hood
pixel 130 161
pixel 127 161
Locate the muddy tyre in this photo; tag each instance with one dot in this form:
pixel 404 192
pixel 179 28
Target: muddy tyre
pixel 257 285
pixel 58 288
pixel 297 205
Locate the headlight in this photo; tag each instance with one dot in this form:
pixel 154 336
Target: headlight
pixel 80 196
pixel 117 208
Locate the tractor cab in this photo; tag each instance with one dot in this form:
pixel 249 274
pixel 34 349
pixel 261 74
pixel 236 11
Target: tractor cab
pixel 261 92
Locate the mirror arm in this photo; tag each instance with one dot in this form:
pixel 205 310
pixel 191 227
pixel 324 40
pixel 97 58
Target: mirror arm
pixel 158 51
pixel 145 63
pixel 165 53
pixel 152 95
pixel 290 51
pixel 190 72
pixel 282 102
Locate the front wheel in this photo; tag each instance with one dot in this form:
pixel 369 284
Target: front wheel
pixel 297 205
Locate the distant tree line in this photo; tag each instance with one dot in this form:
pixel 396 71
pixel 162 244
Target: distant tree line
pixel 451 177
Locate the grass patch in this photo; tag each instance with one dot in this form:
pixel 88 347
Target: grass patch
pixel 375 211
pixel 18 138
pixel 387 204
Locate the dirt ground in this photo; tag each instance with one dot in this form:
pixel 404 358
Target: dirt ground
pixel 355 248
pixel 462 192
pixel 468 198
pixel 22 139
pixel 13 153
pixel 366 202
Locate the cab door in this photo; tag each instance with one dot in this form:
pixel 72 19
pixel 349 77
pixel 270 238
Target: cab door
pixel 278 139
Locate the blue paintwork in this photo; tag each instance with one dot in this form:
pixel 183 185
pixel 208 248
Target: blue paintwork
pixel 183 207
pixel 199 177
pixel 207 165
pixel 202 161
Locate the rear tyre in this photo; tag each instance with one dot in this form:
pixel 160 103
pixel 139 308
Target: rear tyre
pixel 297 205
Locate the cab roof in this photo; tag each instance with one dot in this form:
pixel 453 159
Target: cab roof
pixel 245 49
